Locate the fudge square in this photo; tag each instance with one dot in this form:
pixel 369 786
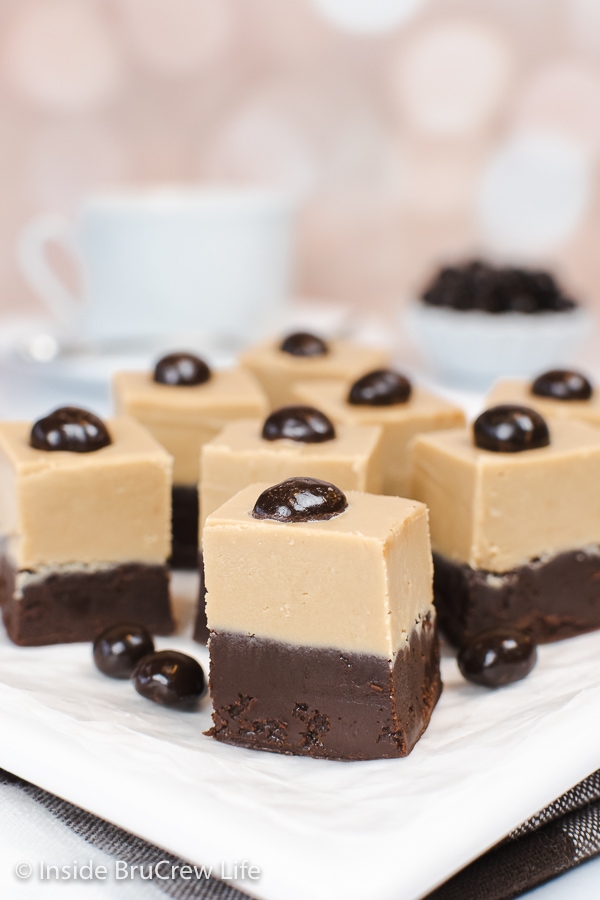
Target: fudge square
pixel 85 535
pixel 183 418
pixel 278 371
pixel 400 422
pixel 519 390
pixel 240 456
pixel 516 536
pixel 322 633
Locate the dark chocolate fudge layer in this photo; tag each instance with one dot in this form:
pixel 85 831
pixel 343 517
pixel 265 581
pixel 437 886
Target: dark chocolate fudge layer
pixel 549 599
pixel 69 606
pixel 184 548
pixel 324 703
pixel 201 632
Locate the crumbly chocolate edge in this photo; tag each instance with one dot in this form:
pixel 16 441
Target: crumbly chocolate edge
pixel 550 598
pixel 65 606
pixel 201 632
pixel 323 702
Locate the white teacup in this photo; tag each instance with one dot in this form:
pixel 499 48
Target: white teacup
pixel 209 262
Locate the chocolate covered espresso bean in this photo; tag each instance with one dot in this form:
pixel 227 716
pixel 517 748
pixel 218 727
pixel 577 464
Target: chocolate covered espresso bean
pixel 497 657
pixel 302 343
pixel 298 423
pixel 300 500
pixel 383 387
pixel 510 429
pixel 171 679
pixel 119 648
pixel 562 384
pixel 70 428
pixel 181 370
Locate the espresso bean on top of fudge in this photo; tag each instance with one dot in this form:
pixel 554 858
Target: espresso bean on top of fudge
pixel 515 523
pixel 85 522
pixel 278 364
pixel 322 627
pixel 559 392
pixel 292 440
pixel 387 399
pixel 184 404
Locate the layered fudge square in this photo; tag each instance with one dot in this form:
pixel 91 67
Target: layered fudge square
pixel 278 364
pixel 400 420
pixel 183 413
pixel 560 392
pixel 322 631
pixel 515 535
pixel 240 456
pixel 293 440
pixel 85 533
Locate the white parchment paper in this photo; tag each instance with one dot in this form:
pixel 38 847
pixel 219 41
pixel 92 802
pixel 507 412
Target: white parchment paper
pixel 386 830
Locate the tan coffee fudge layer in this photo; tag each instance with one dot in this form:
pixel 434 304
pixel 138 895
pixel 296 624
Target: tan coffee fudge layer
pixel 358 582
pixel 423 412
pixel 183 418
pixel 498 511
pixel 278 371
pixel 112 505
pixel 239 456
pixel 514 390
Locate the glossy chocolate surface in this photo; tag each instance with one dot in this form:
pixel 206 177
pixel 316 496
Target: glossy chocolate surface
pixel 509 428
pixel 171 679
pixel 383 387
pixel 300 500
pixel 562 384
pixel 181 370
pixel 70 428
pixel 119 648
pixel 481 286
pixel 498 657
pixel 302 343
pixel 298 423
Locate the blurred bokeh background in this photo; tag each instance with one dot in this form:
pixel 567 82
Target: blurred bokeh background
pixel 411 131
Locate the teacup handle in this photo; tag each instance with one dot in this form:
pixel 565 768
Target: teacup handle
pixel 36 269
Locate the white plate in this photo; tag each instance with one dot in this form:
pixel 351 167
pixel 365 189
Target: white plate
pixel 386 830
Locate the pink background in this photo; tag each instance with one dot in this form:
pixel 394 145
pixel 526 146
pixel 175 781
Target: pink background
pixel 413 131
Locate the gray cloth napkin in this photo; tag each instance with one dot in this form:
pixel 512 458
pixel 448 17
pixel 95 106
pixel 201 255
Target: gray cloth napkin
pixel 560 837
pixel 121 845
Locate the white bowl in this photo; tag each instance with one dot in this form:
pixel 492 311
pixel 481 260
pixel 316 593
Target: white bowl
pixel 474 347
